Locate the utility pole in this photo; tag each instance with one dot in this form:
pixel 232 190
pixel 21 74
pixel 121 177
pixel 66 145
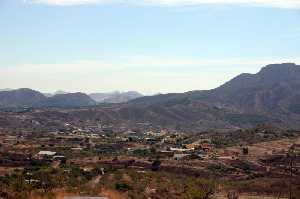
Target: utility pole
pixel 291 176
pixel 292 156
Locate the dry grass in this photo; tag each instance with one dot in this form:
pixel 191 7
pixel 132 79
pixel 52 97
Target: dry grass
pixel 245 196
pixel 260 150
pixel 7 170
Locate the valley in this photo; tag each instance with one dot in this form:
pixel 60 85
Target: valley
pixel 240 140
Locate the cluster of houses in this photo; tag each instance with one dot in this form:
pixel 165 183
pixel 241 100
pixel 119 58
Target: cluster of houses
pixel 168 145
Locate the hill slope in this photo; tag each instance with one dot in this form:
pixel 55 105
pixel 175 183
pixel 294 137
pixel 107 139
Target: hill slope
pixel 20 97
pixel 29 98
pixel 270 96
pixel 68 100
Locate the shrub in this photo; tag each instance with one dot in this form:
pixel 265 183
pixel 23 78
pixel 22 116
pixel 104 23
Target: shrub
pixel 232 195
pixel 199 189
pixel 156 165
pixel 122 187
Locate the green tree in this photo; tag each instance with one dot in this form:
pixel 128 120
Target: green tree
pixel 199 189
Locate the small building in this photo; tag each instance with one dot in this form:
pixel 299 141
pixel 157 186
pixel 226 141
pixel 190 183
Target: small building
pixel 206 147
pixel 77 149
pixel 192 146
pixel 180 150
pixel 45 154
pixel 48 153
pixel 180 156
pixel 151 141
pixel 60 158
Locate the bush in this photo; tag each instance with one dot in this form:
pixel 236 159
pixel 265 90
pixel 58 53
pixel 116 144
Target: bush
pixel 122 187
pixel 245 151
pixel 199 189
pixel 156 165
pixel 232 195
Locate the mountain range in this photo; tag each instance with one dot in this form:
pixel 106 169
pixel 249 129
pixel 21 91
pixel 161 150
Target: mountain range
pixel 271 96
pixel 25 97
pixel 115 97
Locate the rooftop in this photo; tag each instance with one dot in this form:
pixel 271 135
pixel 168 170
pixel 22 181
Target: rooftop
pixel 50 153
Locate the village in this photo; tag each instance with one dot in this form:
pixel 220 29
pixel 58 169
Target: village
pixel 97 153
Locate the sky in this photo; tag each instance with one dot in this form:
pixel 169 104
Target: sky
pixel 151 46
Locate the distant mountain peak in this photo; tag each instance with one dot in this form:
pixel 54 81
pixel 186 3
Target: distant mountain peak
pixel 115 97
pixel 281 65
pixel 20 97
pixel 69 100
pixel 5 89
pixel 60 92
pixel 280 68
pixel 273 94
pixel 30 98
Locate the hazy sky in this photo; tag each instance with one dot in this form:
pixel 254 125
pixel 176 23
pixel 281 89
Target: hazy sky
pixel 145 45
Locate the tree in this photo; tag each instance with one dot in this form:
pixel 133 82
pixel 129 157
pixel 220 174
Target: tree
pixel 232 195
pixel 155 165
pixel 122 187
pixel 199 189
pixel 245 151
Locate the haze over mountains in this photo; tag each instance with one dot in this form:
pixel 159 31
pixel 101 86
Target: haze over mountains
pixel 108 97
pixel 26 97
pixel 115 97
pixel 271 96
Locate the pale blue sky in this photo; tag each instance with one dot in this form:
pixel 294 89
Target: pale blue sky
pixel 150 46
